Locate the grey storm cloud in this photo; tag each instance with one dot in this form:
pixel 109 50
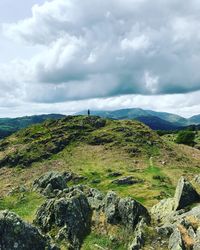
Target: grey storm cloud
pixel 102 48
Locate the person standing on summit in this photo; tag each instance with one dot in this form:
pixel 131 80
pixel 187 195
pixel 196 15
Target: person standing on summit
pixel 88 112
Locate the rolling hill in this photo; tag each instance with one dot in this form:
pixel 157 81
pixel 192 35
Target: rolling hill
pixel 120 165
pixel 156 120
pixel 11 125
pixel 194 119
pixel 92 144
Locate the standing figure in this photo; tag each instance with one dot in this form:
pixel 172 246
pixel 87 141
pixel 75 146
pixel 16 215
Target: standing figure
pixel 88 112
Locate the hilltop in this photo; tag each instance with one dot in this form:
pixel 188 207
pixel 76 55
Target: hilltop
pixel 156 120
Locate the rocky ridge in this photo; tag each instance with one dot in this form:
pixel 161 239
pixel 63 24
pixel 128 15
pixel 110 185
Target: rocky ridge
pixel 70 213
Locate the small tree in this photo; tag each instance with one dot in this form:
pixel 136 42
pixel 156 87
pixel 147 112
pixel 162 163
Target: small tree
pixel 186 137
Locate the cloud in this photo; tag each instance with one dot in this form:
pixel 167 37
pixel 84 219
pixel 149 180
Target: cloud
pixel 167 103
pixel 93 48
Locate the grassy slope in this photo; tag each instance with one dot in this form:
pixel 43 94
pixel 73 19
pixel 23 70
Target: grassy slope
pixel 93 148
pixel 11 125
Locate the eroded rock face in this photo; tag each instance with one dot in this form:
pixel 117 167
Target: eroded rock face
pixel 111 208
pixel 177 220
pixel 175 241
pixel 16 234
pixel 185 194
pixel 52 181
pixel 139 239
pixel 71 213
pixel 127 211
pixel 163 209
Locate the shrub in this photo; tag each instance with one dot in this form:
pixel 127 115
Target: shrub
pixel 186 137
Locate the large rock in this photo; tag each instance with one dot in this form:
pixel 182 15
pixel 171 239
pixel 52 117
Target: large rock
pixel 139 239
pixel 71 213
pixel 95 198
pixel 175 241
pixel 185 194
pixel 197 179
pixel 52 180
pixel 111 208
pixel 127 211
pixel 16 234
pixel 163 209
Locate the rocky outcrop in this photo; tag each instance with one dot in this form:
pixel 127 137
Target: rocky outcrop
pixel 178 220
pixel 95 199
pixel 197 179
pixel 129 180
pixel 163 209
pixel 16 234
pixel 175 241
pixel 72 214
pixel 185 194
pixel 139 239
pixel 127 211
pixel 52 181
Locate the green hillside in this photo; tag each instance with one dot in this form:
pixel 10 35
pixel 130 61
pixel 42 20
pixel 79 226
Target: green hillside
pixel 124 156
pixel 11 125
pixel 135 113
pixel 93 148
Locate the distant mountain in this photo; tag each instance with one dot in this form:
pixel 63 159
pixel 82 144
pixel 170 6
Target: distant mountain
pixel 172 118
pixel 137 112
pixel 11 125
pixel 156 123
pixel 155 120
pixel 194 119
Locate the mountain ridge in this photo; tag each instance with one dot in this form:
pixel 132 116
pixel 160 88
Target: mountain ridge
pixel 174 121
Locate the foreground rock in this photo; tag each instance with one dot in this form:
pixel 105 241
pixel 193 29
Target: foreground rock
pixel 175 241
pixel 178 220
pixel 185 195
pixel 163 209
pixel 52 180
pixel 16 234
pixel 53 183
pixel 127 211
pixel 74 210
pixel 139 239
pixel 71 213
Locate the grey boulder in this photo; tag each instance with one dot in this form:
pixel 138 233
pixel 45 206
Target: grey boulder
pixel 52 180
pixel 185 194
pixel 124 211
pixel 19 235
pixel 72 214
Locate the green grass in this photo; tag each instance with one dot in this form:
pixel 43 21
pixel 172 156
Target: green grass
pixel 95 242
pixel 94 147
pixel 24 204
pixel 42 141
pixel 152 170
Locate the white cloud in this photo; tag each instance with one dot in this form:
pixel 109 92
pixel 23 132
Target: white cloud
pixel 93 48
pixel 137 43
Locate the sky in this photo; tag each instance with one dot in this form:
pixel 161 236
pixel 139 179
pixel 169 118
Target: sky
pixel 63 56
